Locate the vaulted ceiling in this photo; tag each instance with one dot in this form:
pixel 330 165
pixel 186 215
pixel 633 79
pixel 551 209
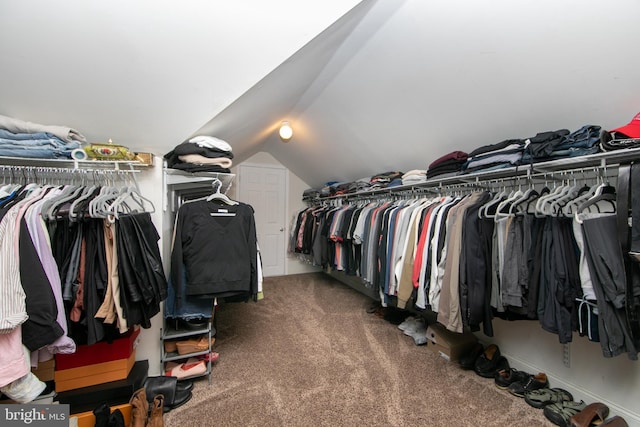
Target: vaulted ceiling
pixel 368 86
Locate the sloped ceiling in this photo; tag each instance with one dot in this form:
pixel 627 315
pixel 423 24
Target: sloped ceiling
pixel 145 73
pixel 368 86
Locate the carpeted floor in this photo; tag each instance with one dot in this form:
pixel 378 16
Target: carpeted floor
pixel 309 354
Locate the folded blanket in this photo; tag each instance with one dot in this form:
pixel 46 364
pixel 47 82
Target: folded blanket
pixel 202 160
pixel 20 126
pixel 210 142
pixel 459 156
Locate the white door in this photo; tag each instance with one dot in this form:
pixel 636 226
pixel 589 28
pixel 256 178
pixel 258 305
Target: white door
pixel 265 188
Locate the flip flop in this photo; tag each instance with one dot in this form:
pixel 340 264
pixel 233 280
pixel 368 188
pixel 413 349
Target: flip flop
pixel 593 414
pixel 559 413
pixel 545 396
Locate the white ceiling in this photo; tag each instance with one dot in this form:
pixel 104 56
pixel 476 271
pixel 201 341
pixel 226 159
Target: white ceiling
pixel 368 86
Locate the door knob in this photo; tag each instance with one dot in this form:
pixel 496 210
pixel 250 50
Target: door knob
pixel 282 229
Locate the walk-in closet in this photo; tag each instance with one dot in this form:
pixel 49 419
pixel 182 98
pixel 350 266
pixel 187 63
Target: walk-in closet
pixel 339 212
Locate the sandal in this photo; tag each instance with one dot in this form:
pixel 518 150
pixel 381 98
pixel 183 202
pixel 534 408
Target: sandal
pixel 545 396
pixel 593 414
pixel 615 421
pixel 559 413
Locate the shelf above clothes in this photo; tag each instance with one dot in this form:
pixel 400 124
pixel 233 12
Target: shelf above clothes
pixel 600 164
pixel 28 162
pixel 66 171
pixel 178 183
pixel 176 178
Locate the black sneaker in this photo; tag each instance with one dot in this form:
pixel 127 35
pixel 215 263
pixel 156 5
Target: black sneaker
pixel 505 377
pixel 534 382
pixel 490 362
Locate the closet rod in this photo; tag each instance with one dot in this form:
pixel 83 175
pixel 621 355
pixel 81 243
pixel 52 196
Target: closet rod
pixel 93 164
pixel 57 169
pixel 584 173
pixel 57 175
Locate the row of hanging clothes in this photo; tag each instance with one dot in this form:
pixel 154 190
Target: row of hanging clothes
pixel 214 254
pixel 80 262
pixel 544 249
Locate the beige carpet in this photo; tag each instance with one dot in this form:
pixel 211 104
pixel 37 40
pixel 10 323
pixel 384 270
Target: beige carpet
pixel 309 354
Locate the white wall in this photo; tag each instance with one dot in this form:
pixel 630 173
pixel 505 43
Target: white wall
pixel 590 376
pixel 149 180
pixel 294 204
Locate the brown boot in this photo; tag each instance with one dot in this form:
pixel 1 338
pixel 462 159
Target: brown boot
pixel 140 408
pixel 156 412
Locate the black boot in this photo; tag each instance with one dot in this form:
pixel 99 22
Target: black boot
pixel 167 386
pixel 116 419
pixel 102 415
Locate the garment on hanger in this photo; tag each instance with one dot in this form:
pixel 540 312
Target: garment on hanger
pixel 519 253
pixel 215 243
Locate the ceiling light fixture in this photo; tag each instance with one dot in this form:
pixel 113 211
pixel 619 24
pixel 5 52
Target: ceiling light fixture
pixel 285 131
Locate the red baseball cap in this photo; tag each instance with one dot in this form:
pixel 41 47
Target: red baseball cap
pixel 632 130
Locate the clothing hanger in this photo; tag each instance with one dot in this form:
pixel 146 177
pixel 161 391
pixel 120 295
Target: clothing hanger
pixel 569 193
pixel 69 192
pixel 99 205
pixel 542 208
pixel 604 193
pixel 507 203
pixel 527 197
pixel 49 206
pixel 132 195
pixel 86 194
pixel 584 194
pixel 217 195
pixel 497 198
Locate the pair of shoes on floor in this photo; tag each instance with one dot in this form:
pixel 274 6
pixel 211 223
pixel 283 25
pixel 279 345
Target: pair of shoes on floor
pixel 546 396
pixel 415 328
pixel 490 362
pixel 560 413
pixel 468 360
pixel 192 345
pixel 528 384
pixel 191 368
pixel 505 377
pixel 596 414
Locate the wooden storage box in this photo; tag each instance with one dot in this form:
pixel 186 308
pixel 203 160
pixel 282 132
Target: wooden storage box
pixel 103 351
pixel 450 345
pixel 112 393
pixel 97 373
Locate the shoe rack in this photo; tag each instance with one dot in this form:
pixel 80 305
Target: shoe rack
pixel 180 186
pixel 172 331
